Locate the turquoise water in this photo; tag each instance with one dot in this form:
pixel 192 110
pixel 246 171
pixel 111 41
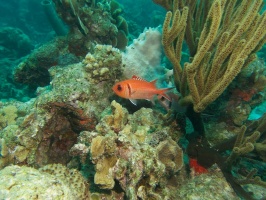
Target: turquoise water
pixel 65 134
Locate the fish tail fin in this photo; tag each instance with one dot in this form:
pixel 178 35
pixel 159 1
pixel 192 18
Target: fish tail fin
pixel 162 92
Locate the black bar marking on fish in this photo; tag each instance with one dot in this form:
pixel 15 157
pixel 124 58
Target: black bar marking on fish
pixel 129 89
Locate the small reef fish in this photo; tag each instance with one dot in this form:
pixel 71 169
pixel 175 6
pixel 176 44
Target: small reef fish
pixel 137 88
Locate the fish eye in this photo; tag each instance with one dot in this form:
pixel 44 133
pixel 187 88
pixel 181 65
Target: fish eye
pixel 119 88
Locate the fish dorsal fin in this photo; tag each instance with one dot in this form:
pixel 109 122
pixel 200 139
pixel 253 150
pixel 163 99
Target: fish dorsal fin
pixel 141 79
pixel 154 82
pixel 137 78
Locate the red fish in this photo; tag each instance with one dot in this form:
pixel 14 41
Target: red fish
pixel 137 88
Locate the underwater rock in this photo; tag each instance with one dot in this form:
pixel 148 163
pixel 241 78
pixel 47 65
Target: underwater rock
pixel 4 154
pixel 14 43
pixel 34 69
pixel 49 182
pixel 9 89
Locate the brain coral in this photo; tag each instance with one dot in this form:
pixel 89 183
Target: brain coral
pixel 29 183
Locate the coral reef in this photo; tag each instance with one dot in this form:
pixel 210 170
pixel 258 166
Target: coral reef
pixel 121 152
pixel 71 131
pixel 92 22
pixel 12 117
pixel 49 182
pixel 121 24
pixel 237 163
pixel 222 39
pixel 47 132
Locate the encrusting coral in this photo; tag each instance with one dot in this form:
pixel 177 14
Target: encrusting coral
pixel 170 154
pixel 103 153
pixel 103 64
pixel 213 181
pixel 12 115
pixel 223 43
pixel 8 114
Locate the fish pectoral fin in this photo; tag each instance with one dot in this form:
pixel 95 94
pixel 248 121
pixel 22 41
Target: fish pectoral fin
pixel 134 101
pixel 151 100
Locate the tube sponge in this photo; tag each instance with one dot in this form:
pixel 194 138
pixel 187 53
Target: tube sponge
pixel 52 17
